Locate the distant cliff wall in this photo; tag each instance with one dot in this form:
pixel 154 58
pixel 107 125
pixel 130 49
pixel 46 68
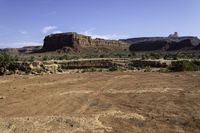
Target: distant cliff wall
pixel 77 42
pixel 164 45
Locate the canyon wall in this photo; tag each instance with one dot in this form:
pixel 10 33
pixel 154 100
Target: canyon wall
pixel 77 42
pixel 166 44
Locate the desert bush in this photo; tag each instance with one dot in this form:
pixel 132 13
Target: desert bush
pixel 10 64
pixel 163 70
pixel 145 56
pixel 24 67
pixel 31 59
pixel 16 58
pixel 133 54
pixel 184 65
pixel 13 66
pixel 147 69
pixel 171 57
pixel 155 56
pixel 167 57
pixel 112 69
pixel 175 57
pixel 118 55
pixel 92 69
pixel 64 57
pixel 5 61
pixel 102 56
pixel 45 58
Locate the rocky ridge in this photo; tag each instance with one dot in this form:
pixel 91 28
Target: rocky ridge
pixel 171 43
pixel 77 42
pixel 165 45
pixel 72 41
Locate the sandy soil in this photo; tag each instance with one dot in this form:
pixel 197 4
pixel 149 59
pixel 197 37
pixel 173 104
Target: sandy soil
pixel 118 102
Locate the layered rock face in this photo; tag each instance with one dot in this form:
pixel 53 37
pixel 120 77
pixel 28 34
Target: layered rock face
pixel 194 40
pixel 77 42
pixel 165 44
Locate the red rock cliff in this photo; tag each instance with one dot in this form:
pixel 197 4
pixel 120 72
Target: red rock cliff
pixel 77 41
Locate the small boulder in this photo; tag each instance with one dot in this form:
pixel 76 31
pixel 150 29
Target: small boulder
pixel 2 97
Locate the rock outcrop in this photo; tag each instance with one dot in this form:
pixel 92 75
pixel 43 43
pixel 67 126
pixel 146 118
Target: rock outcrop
pixel 77 42
pixel 164 44
pixel 149 46
pixel 197 47
pixel 174 35
pixel 195 40
pixel 23 50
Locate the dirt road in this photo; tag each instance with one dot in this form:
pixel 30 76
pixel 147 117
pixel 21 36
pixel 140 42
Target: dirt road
pixel 118 102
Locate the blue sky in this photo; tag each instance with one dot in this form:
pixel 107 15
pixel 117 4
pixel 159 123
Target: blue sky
pixel 27 22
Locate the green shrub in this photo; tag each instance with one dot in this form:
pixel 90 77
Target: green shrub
pixel 13 66
pixel 5 61
pixel 113 68
pixel 175 57
pixel 118 55
pixel 31 59
pixel 155 56
pixel 167 57
pixel 92 69
pixel 45 58
pixel 145 56
pixel 101 56
pixel 16 58
pixel 64 57
pixel 184 65
pixel 133 54
pixel 147 69
pixel 10 64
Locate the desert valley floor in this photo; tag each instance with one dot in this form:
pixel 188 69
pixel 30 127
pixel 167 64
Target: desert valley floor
pixel 105 102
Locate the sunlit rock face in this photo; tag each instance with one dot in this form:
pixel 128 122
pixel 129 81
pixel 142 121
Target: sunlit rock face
pixel 77 41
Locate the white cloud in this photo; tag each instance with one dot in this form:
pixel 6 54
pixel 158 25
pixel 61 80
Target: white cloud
pixel 19 44
pixel 49 29
pixel 89 32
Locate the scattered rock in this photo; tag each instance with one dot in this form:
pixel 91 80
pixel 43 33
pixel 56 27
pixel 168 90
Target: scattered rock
pixel 2 97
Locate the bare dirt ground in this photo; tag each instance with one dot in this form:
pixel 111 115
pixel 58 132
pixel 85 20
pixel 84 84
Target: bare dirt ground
pixel 118 102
